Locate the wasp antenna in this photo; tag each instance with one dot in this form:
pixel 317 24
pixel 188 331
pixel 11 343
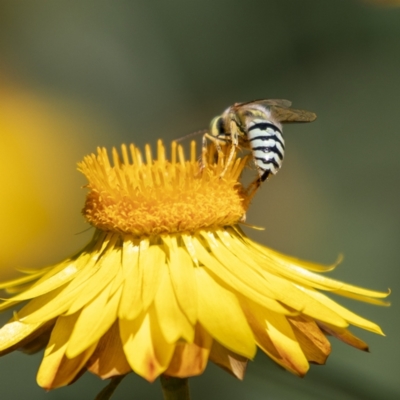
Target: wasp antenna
pixel 200 132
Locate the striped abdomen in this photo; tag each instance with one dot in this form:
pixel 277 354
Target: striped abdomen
pixel 268 147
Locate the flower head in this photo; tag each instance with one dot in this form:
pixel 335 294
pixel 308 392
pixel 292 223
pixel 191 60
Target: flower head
pixel 169 281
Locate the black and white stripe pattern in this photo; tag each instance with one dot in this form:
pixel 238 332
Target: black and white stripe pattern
pixel 256 126
pixel 268 147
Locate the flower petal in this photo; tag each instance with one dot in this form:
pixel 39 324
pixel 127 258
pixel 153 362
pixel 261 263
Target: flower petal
pixel 247 283
pixel 7 304
pixel 54 277
pixel 109 359
pixel 345 336
pixel 289 268
pixel 131 300
pixel 67 270
pixel 15 334
pixel 278 288
pixel 359 297
pixel 23 279
pixel 66 298
pixel 275 337
pixel 56 369
pixel 38 341
pixel 229 361
pixel 48 306
pixel 190 359
pixel 94 321
pixel 181 269
pixel 236 239
pixel 313 342
pixel 173 322
pixel 144 346
pixel 187 239
pixel 108 268
pixel 221 315
pixel 75 294
pixel 150 260
pixel 349 316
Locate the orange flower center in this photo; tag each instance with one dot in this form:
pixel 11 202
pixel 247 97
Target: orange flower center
pixel 161 196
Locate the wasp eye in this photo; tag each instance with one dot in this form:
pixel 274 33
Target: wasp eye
pixel 217 125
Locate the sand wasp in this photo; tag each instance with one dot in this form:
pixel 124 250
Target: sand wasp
pixel 257 126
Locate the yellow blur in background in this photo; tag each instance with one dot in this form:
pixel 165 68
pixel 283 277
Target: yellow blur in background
pixel 40 200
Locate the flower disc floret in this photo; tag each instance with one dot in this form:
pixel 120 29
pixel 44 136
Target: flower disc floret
pixel 161 196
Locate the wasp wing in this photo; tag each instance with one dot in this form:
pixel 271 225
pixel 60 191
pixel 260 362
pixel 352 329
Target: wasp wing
pixel 288 115
pixel 276 102
pixel 281 110
pixel 266 102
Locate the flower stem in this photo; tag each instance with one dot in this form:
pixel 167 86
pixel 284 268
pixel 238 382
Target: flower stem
pixel 175 388
pixel 108 391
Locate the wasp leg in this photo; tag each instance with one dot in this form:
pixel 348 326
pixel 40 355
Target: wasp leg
pixel 204 151
pixel 235 145
pixel 255 185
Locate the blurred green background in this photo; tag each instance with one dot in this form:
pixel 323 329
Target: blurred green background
pixel 78 74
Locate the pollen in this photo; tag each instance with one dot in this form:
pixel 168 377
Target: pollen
pixel 147 196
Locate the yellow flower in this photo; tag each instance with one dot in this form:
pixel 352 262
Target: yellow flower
pixel 169 281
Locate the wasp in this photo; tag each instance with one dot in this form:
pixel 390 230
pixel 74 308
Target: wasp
pixel 256 126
